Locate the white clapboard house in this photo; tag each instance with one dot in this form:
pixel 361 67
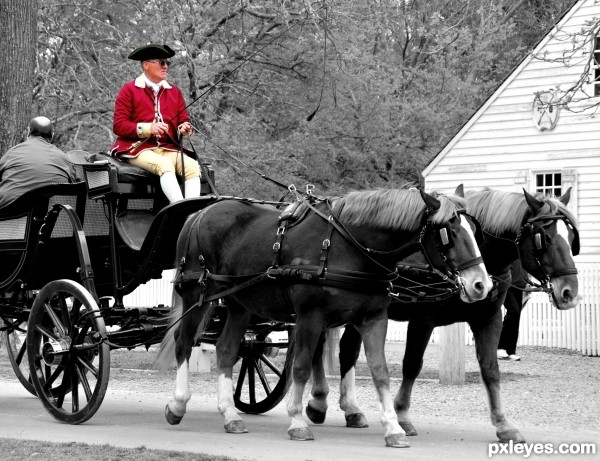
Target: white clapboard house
pixel 527 135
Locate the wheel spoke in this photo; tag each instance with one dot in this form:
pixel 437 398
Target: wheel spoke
pixel 52 378
pixel 84 383
pixel 264 359
pixel 65 313
pixel 89 366
pixel 251 381
pixel 241 378
pixel 21 352
pixel 55 320
pixel 44 331
pixel 62 389
pixel 262 377
pixel 74 389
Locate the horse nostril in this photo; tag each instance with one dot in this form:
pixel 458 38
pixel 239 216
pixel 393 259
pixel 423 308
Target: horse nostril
pixel 566 295
pixel 479 286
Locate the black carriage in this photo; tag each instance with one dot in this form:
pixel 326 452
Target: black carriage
pixel 71 253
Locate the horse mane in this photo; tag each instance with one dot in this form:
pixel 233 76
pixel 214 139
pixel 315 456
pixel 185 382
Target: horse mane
pixel 501 212
pixel 393 209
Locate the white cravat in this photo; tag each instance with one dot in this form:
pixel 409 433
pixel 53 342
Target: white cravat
pixel 155 86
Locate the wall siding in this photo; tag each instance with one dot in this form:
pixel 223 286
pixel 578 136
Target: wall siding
pixel 501 142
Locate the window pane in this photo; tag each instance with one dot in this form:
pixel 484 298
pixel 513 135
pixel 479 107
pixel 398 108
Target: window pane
pixel 548 179
pixel 557 179
pixel 539 181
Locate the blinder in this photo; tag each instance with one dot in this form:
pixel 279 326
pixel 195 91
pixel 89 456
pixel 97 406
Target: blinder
pixel 444 239
pixel 539 241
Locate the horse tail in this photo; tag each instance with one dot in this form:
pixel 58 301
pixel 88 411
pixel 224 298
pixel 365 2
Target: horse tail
pixel 332 340
pixel 165 356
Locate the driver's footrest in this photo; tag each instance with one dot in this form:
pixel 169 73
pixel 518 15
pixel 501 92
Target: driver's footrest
pixel 133 227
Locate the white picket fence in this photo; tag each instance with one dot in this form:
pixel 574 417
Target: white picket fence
pixel 541 323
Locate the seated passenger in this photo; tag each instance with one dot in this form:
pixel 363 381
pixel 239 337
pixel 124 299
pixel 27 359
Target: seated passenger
pixel 33 163
pixel 149 114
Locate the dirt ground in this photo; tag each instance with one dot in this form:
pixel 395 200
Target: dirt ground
pixel 555 388
pixel 548 387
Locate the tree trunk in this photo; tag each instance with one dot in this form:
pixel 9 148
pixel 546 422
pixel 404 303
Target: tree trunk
pixel 18 32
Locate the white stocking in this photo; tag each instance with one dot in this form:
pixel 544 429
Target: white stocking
pixel 170 186
pixel 192 188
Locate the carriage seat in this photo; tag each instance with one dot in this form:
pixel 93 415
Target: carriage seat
pixel 106 174
pixel 138 191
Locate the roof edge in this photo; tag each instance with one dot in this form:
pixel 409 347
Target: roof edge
pixel 488 102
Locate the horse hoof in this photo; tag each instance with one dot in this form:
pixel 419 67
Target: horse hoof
pixel 172 418
pixel 357 420
pixel 510 434
pixel 236 427
pixel 396 441
pixel 301 433
pixel 316 416
pixel 408 428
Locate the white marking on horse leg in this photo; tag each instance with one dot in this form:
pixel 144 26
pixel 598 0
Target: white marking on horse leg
pixel 225 403
pixel 348 401
pixel 181 394
pixel 388 417
pixel 294 408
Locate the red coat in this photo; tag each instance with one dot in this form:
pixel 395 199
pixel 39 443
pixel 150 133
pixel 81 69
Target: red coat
pixel 135 104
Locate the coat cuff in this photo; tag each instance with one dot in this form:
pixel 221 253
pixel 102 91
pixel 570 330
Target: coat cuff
pixel 144 130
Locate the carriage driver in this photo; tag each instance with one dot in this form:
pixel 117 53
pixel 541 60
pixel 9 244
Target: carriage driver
pixel 149 115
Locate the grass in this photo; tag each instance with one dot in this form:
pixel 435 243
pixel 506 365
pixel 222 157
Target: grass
pixel 16 449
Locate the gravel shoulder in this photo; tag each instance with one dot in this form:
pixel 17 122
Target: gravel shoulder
pixel 555 388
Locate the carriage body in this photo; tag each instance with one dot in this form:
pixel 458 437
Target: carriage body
pixel 87 244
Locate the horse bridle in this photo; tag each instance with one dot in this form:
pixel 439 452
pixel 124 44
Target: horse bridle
pixel 445 242
pixel 538 240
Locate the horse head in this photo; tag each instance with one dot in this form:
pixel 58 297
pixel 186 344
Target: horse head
pixel 547 243
pixel 449 243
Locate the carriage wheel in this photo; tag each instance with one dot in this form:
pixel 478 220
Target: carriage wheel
pixel 16 348
pixel 69 364
pixel 262 381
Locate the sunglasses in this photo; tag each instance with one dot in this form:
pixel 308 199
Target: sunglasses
pixel 160 62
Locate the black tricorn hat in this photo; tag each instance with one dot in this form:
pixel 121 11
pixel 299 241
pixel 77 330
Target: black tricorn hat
pixel 151 51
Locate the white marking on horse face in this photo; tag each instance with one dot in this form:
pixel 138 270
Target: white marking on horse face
pixel 465 224
pixel 563 231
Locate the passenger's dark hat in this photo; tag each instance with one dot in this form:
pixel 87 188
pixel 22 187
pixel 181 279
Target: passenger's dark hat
pixel 151 51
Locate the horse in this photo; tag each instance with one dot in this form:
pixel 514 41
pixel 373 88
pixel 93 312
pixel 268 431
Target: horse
pixel 331 267
pixel 542 232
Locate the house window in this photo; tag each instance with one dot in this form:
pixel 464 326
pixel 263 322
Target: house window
pixel 549 184
pixel 596 66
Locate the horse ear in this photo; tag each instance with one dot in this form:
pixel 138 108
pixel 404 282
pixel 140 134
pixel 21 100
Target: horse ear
pixel 431 202
pixel 534 204
pixel 566 197
pixel 460 191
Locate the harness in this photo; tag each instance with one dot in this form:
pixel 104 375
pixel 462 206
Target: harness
pixel 322 274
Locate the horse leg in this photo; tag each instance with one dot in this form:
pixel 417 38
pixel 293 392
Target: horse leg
pixel 227 353
pixel 307 333
pixel 486 335
pixel 373 333
pixel 417 338
pixel 316 409
pixel 185 338
pixel 349 352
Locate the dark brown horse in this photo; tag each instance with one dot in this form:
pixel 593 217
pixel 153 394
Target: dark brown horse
pixel 330 269
pixel 539 230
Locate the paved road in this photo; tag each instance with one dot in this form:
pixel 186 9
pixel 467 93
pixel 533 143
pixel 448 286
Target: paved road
pixel 133 420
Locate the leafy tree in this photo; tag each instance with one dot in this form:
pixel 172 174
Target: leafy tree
pixel 339 94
